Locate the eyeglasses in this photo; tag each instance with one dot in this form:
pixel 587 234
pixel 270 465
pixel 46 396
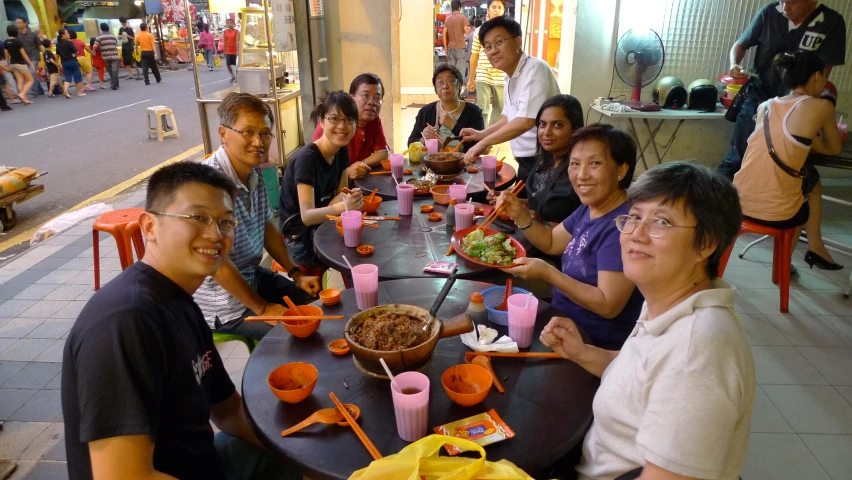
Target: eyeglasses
pixel 225 225
pixel 250 135
pixel 377 100
pixel 334 120
pixel 489 47
pixel 449 83
pixel 656 228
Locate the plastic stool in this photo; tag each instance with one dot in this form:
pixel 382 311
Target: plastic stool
pixel 160 128
pixel 782 253
pixel 230 337
pixel 124 226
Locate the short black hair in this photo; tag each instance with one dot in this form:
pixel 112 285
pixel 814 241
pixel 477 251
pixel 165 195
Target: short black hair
pixel 455 5
pixel 511 26
pixel 104 27
pixel 234 103
pixel 369 79
pixel 340 99
pixel 143 27
pixel 23 20
pixel 573 112
pixel 796 68
pixel 165 182
pixel 477 22
pixel 446 67
pixel 620 144
pixel 710 197
pixel 72 34
pixel 11 31
pixel 46 43
pixel 122 19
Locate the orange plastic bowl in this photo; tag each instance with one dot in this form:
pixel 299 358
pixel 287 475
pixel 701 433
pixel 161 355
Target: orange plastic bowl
pixel 293 382
pixel 365 249
pixel 370 207
pixel 427 208
pixel 386 165
pixel 435 217
pixel 499 165
pixel 339 347
pixel 339 225
pixel 441 194
pixel 330 296
pixel 467 384
pixel 472 170
pixel 408 171
pixel 302 328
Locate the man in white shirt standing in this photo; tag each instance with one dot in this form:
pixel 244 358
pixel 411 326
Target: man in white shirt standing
pixel 529 82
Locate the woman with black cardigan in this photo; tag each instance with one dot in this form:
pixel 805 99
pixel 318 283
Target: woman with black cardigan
pixel 450 114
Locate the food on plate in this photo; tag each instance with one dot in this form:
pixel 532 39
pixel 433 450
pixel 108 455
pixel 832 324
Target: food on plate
pixel 495 249
pixel 388 331
pixel 421 185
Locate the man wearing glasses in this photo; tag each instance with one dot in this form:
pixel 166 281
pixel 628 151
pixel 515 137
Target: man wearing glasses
pixel 529 82
pixel 368 147
pixel 141 378
pixel 241 287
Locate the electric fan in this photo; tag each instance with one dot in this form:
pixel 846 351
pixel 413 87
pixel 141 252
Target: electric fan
pixel 639 57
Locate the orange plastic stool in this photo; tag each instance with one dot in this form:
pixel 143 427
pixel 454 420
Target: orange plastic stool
pixel 124 226
pixel 782 252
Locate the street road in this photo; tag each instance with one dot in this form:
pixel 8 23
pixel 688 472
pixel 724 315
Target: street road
pixel 90 144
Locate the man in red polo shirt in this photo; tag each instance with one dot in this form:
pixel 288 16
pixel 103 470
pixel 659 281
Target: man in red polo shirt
pixel 368 147
pixel 232 36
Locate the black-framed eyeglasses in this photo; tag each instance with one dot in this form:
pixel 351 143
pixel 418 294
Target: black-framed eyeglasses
pixel 335 120
pixel 250 135
pixel 656 228
pixel 202 220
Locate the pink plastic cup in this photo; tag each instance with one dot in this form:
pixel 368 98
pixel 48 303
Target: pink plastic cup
pixel 432 146
pixel 410 392
pixel 397 162
pixel 843 132
pixel 458 192
pixel 489 168
pixel 464 216
pixel 522 319
pixel 351 228
pixel 366 280
pixel 405 198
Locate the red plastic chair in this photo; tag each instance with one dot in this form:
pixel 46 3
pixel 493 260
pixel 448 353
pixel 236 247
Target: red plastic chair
pixel 782 252
pixel 124 226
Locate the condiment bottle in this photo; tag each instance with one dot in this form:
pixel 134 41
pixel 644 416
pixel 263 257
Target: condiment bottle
pixel 476 309
pixel 450 216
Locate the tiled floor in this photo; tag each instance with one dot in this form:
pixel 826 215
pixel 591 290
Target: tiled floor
pixel 802 418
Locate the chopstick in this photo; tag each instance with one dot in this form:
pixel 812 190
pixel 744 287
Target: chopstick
pixel 381 218
pixel 469 355
pixel 496 212
pixel 489 189
pixel 364 223
pixel 295 317
pixel 380 172
pixel 374 452
pixel 372 195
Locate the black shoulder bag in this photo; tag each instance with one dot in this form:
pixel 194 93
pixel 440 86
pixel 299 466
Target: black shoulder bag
pixel 783 166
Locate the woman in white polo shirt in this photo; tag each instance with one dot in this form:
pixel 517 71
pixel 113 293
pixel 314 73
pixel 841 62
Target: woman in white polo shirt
pixel 529 82
pixel 675 402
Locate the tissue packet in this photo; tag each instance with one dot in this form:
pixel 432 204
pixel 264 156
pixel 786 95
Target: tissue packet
pixel 442 267
pixel 483 429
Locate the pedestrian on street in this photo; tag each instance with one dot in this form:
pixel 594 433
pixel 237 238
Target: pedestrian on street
pixel 19 62
pixel 128 45
pixel 97 60
pixel 67 53
pixel 52 66
pixel 206 43
pixel 232 36
pixel 4 107
pixel 82 59
pixel 145 42
pixel 109 51
pixel 456 27
pixel 32 45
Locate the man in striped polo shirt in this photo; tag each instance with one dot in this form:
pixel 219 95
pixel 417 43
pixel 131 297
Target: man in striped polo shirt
pixel 109 50
pixel 242 288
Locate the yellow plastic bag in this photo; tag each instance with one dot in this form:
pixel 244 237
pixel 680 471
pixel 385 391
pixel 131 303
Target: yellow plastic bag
pixel 421 459
pixel 217 61
pixel 137 55
pixel 199 58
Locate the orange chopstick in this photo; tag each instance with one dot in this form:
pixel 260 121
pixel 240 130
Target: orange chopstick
pixel 372 195
pixel 496 212
pixel 380 172
pixel 469 355
pixel 374 452
pixel 450 250
pixel 295 317
pixel 292 305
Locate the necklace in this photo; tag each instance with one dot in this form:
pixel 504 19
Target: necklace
pixel 458 106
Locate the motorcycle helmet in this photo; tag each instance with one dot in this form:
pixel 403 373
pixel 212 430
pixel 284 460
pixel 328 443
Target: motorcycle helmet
pixel 702 95
pixel 670 93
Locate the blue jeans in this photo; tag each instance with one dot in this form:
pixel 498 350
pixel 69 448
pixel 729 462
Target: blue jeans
pixel 208 54
pixel 246 461
pixel 743 128
pixel 36 89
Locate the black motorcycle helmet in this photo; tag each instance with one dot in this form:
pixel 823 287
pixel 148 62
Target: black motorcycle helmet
pixel 669 92
pixel 702 95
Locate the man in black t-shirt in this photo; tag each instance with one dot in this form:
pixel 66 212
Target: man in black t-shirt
pixel 141 378
pixel 780 27
pixel 128 45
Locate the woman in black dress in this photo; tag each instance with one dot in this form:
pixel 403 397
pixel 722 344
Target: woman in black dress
pixel 450 114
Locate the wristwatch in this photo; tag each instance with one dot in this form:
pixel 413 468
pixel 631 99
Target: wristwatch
pixel 293 271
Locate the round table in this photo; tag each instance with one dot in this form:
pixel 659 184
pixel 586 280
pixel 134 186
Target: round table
pixel 548 403
pixel 403 248
pixel 387 188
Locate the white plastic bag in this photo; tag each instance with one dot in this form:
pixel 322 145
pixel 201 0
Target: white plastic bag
pixel 68 220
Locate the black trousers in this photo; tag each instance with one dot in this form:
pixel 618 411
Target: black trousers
pixel 148 61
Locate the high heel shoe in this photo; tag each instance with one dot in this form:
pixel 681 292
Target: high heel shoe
pixel 812 259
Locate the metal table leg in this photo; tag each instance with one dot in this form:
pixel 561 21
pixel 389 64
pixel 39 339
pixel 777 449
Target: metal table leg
pixel 633 132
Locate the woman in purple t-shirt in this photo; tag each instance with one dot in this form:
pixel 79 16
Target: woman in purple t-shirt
pixel 590 288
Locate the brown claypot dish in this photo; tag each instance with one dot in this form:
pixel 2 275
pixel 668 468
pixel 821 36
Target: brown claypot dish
pixel 448 163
